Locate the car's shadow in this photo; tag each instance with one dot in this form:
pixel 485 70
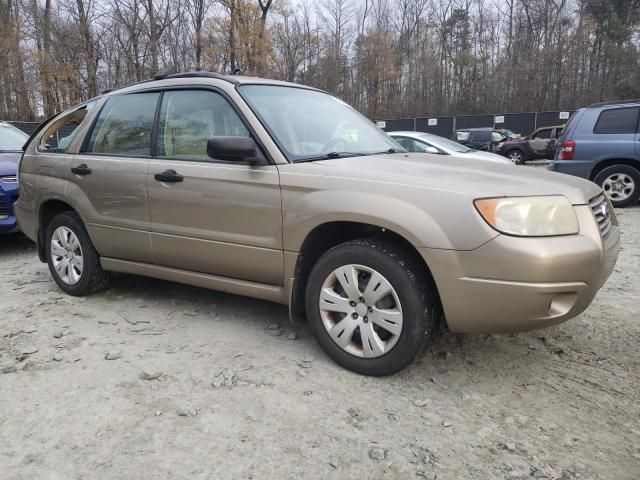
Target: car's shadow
pixel 15 243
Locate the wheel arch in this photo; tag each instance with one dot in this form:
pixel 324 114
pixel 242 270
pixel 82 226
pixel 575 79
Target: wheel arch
pixel 610 162
pixel 330 234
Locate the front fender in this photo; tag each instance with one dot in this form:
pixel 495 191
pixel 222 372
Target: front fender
pixel 403 217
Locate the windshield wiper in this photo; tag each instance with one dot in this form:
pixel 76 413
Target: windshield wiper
pixel 391 150
pixel 330 155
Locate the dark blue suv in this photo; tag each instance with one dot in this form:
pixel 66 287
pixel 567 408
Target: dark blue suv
pixel 11 142
pixel 602 143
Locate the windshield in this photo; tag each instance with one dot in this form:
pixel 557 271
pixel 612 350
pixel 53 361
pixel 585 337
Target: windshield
pixel 11 139
pixel 309 125
pixel 446 144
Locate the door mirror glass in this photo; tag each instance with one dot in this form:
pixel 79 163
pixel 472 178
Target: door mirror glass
pixel 233 149
pixel 430 149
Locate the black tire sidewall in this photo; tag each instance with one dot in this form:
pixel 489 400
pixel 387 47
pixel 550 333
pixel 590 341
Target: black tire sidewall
pixel 91 267
pixel 414 296
pixel 626 169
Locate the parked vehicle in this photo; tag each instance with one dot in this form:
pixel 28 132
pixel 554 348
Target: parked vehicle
pixel 421 142
pixel 285 193
pixel 541 144
pixel 11 142
pixel 602 143
pixel 485 139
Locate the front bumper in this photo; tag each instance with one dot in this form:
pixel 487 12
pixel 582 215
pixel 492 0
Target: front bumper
pixel 8 196
pixel 515 284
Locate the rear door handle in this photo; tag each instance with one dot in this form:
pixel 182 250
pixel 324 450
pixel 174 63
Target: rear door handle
pixel 81 169
pixel 169 176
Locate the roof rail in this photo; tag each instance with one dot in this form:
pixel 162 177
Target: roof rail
pixel 614 102
pixel 201 74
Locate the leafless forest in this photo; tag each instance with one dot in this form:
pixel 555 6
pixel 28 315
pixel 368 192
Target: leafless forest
pixel 386 57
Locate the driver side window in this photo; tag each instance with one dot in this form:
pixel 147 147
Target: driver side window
pixel 189 118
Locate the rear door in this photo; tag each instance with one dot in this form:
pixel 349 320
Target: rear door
pixel 219 217
pixel 109 176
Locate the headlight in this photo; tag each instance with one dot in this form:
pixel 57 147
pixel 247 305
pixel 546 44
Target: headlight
pixel 530 216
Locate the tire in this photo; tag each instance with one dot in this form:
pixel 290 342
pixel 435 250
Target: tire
pixel 621 183
pixel 413 295
pixel 61 232
pixel 516 156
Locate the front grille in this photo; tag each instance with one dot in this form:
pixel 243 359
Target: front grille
pixel 4 212
pixel 602 213
pixel 9 179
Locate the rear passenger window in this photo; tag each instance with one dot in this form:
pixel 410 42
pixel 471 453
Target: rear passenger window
pixel 619 120
pixel 58 136
pixel 463 136
pixel 189 118
pixel 124 125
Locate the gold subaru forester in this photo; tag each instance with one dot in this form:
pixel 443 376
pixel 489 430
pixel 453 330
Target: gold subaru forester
pixel 285 193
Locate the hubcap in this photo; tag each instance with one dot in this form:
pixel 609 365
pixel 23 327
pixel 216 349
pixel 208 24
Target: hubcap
pixel 515 156
pixel 619 186
pixel 361 311
pixel 66 255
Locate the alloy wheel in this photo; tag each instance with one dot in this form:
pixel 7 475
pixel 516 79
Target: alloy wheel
pixel 515 156
pixel 619 186
pixel 66 255
pixel 361 311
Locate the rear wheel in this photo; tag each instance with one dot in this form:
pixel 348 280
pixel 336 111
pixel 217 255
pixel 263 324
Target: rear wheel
pixel 72 259
pixel 621 183
pixel 516 156
pixel 371 307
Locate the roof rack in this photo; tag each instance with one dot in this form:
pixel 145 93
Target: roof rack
pixel 614 102
pixel 200 74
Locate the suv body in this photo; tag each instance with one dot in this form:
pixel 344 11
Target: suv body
pixel 484 139
pixel 297 198
pixel 11 142
pixel 602 143
pixel 541 144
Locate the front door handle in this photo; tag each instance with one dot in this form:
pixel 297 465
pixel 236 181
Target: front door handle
pixel 81 169
pixel 169 176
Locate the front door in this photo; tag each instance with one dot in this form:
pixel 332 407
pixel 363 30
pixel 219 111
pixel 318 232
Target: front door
pixel 216 217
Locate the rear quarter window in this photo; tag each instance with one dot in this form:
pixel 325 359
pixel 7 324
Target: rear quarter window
pixel 617 120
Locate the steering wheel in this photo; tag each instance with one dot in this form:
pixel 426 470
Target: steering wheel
pixel 335 145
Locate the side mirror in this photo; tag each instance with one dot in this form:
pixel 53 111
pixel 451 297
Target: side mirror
pixel 233 149
pixel 430 149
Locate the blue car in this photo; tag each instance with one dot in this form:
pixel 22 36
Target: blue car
pixel 11 142
pixel 602 143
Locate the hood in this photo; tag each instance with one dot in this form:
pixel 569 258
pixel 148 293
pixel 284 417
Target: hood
pixel 454 173
pixel 492 157
pixel 9 163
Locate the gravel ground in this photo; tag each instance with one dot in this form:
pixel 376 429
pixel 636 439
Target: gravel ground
pixel 152 379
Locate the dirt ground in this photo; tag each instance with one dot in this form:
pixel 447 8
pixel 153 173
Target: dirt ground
pixel 152 379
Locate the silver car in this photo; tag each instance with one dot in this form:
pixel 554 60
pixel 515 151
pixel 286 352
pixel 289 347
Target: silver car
pixel 422 142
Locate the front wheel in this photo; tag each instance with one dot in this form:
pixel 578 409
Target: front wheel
pixel 371 306
pixel 73 261
pixel 621 183
pixel 516 156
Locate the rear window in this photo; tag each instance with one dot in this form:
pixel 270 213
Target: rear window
pixel 618 120
pixel 124 125
pixel 463 136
